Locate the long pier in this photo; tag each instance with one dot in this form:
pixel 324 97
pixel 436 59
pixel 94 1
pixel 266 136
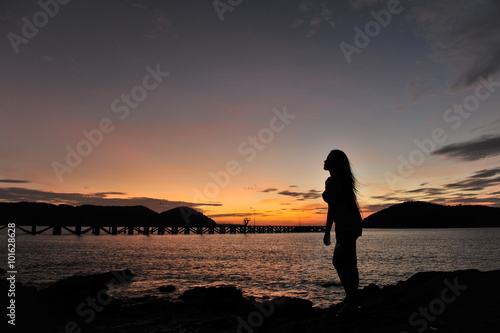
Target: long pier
pixel 158 230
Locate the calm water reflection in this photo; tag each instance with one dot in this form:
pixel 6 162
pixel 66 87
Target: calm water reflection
pixel 263 264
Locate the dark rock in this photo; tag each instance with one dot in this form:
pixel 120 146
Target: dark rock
pixel 208 294
pixel 71 297
pixel 292 306
pixel 471 304
pixel 30 311
pixel 286 314
pixel 372 290
pixel 331 284
pixel 167 289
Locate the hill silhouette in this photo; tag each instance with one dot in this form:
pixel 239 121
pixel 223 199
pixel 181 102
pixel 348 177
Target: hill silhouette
pixel 46 214
pixel 418 214
pixel 182 214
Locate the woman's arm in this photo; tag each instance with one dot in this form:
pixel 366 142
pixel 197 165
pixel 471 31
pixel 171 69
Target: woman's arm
pixel 329 219
pixel 328 228
pixel 327 196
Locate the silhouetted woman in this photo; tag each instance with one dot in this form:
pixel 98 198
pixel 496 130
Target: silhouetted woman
pixel 340 194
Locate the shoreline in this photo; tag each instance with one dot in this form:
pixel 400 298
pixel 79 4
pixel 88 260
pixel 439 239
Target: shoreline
pixel 456 301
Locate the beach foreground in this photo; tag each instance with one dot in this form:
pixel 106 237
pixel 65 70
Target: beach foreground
pixel 459 301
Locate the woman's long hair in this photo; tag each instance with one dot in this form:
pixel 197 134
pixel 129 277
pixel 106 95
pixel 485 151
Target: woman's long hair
pixel 342 172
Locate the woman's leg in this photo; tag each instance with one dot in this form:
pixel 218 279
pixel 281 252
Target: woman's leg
pixel 338 262
pixel 352 273
pixel 345 262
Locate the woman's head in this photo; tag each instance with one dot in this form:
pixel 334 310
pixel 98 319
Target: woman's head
pixel 339 166
pixel 338 163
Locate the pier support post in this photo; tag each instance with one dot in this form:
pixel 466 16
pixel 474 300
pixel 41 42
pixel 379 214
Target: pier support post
pixel 130 230
pixel 96 230
pixel 78 230
pixel 56 230
pixel 33 229
pixel 114 230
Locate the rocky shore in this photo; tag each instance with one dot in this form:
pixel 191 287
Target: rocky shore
pixel 459 301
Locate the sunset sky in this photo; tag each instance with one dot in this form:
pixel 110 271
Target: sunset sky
pixel 231 107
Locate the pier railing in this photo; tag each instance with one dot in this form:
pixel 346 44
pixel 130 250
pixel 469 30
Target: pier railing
pixel 159 230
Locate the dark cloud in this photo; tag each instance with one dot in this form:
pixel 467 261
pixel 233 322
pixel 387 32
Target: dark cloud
pixel 390 197
pixel 13 181
pixel 239 215
pixel 426 191
pixel 465 188
pixel 474 184
pixel 270 189
pixel 463 34
pixel 105 194
pixel 482 147
pixel 469 190
pixel 314 14
pixel 16 194
pixel 486 173
pixel 311 194
pixel 473 199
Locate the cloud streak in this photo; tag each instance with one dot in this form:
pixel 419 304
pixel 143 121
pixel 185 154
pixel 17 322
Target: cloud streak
pixel 311 194
pixel 13 181
pixel 464 34
pixel 314 14
pixel 482 147
pixel 469 190
pixel 478 182
pixel 16 194
pixel 267 190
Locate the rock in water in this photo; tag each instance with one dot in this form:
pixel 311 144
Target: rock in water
pixel 167 289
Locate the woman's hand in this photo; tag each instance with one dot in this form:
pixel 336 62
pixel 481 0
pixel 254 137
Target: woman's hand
pixel 326 239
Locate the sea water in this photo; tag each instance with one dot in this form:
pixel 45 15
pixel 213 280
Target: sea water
pixel 262 265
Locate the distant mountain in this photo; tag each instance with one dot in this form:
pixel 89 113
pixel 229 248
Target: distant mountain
pixel 36 213
pixel 417 214
pixel 183 215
